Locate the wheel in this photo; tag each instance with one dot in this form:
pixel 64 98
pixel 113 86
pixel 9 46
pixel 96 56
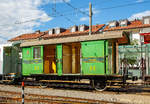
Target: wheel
pixel 100 86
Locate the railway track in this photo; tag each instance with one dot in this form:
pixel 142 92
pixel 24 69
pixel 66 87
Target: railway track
pixel 72 85
pixel 12 96
pixel 7 97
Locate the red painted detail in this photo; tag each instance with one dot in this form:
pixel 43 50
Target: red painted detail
pixel 27 51
pixel 144 34
pixel 22 83
pixel 146 37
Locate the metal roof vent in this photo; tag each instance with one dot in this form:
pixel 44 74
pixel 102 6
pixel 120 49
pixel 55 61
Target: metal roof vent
pixel 123 22
pixel 146 20
pixel 82 27
pixel 37 32
pixel 51 31
pixel 73 29
pixel 113 24
pixel 58 30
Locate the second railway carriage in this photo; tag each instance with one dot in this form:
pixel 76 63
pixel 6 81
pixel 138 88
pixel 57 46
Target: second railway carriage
pixel 74 58
pixel 10 63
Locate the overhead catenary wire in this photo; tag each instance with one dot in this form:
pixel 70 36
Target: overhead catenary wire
pixel 78 9
pixel 22 22
pixel 19 22
pixel 75 8
pixel 54 8
pixel 125 5
pixel 107 8
pixel 60 14
pixel 65 17
pixel 83 6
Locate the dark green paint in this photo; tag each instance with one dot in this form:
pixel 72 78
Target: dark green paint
pixel 95 54
pixel 29 64
pixel 59 59
pixel 12 62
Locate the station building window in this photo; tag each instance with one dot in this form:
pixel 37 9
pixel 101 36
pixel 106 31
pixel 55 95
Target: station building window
pixel 37 52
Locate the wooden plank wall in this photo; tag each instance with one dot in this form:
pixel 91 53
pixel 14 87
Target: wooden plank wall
pixel 67 59
pixel 71 58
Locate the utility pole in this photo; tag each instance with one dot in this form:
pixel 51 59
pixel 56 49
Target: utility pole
pixel 90 18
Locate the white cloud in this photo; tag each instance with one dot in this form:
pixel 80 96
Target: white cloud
pixel 2 40
pixel 26 12
pixel 84 18
pixel 94 10
pixel 139 15
pixel 139 1
pixel 55 1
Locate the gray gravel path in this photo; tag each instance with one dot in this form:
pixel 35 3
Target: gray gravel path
pixel 123 98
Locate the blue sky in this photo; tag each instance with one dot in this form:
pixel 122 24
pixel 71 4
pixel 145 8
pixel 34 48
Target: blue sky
pixel 103 12
pixel 26 16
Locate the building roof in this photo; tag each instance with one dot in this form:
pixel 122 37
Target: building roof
pixel 67 32
pixel 28 36
pixel 95 29
pixel 131 25
pixel 45 35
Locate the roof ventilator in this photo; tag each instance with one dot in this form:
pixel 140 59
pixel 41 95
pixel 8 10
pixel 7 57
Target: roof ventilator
pixel 82 27
pixel 123 22
pixel 59 30
pixel 113 24
pixel 73 29
pixel 37 32
pixel 51 31
pixel 146 20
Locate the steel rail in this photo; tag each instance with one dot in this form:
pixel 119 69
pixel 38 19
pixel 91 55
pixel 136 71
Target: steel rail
pixel 52 99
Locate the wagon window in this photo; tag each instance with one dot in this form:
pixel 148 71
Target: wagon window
pixel 37 52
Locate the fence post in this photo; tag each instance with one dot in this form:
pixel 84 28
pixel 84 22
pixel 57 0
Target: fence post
pixel 22 92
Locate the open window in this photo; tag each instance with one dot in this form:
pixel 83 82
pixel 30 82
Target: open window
pixel 71 58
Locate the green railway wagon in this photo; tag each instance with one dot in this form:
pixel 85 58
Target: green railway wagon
pixel 94 59
pixel 75 56
pixel 70 61
pixel 10 62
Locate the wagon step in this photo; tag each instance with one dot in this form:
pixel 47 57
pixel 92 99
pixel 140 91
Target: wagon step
pixel 117 81
pixel 113 86
pixel 63 81
pixel 6 80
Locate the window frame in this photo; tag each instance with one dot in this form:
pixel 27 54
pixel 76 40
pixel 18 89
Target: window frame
pixel 38 54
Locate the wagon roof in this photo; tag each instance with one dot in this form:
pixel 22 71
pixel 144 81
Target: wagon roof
pixel 99 36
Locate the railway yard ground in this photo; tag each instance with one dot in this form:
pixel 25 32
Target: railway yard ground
pixel 11 94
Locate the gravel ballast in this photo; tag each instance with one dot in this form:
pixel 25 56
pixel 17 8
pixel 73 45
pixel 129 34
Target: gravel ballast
pixel 112 97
